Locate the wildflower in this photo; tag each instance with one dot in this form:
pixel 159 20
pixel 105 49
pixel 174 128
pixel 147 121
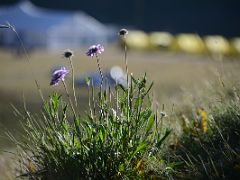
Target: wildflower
pixel 95 50
pixel 204 119
pixel 140 167
pixel 31 166
pixel 123 32
pixel 68 53
pixel 58 75
pixel 163 114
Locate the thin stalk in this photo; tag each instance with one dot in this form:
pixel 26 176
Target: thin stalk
pixel 101 85
pixel 205 169
pixel 126 63
pixel 73 84
pixel 156 118
pixel 100 71
pixel 109 103
pixel 139 108
pixel 69 98
pixel 125 58
pixel 93 100
pixel 161 119
pixel 126 66
pixel 28 59
pixel 89 102
pixel 117 100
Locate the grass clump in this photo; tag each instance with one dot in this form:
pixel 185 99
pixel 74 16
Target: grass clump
pixel 209 148
pixel 114 140
pixel 109 144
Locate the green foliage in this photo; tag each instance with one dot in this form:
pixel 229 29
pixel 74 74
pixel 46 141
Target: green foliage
pixel 215 153
pixel 108 143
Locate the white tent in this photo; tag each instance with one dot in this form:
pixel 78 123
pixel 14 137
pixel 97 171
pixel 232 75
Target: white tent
pixel 51 29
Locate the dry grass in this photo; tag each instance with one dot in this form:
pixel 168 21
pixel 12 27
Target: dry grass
pixel 170 72
pixel 7 167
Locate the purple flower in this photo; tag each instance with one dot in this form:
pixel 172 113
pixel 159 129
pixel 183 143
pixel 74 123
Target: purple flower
pixel 95 50
pixel 58 75
pixel 123 32
pixel 68 53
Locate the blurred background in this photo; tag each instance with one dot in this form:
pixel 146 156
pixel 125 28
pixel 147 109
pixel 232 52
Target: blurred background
pixel 181 45
pixel 59 24
pixel 203 17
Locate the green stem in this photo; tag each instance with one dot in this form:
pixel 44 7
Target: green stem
pixel 100 71
pixel 126 65
pixel 101 85
pixel 73 84
pixel 89 102
pixel 93 100
pixel 69 98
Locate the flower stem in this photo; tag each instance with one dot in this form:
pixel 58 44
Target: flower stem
pixel 28 58
pixel 93 100
pixel 126 65
pixel 101 93
pixel 100 71
pixel 69 98
pixel 73 84
pixel 126 61
pixel 89 102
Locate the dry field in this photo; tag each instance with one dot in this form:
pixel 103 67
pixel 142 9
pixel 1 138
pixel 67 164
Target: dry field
pixel 170 72
pixel 173 74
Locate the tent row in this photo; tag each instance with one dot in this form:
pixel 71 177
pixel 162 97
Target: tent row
pixel 188 43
